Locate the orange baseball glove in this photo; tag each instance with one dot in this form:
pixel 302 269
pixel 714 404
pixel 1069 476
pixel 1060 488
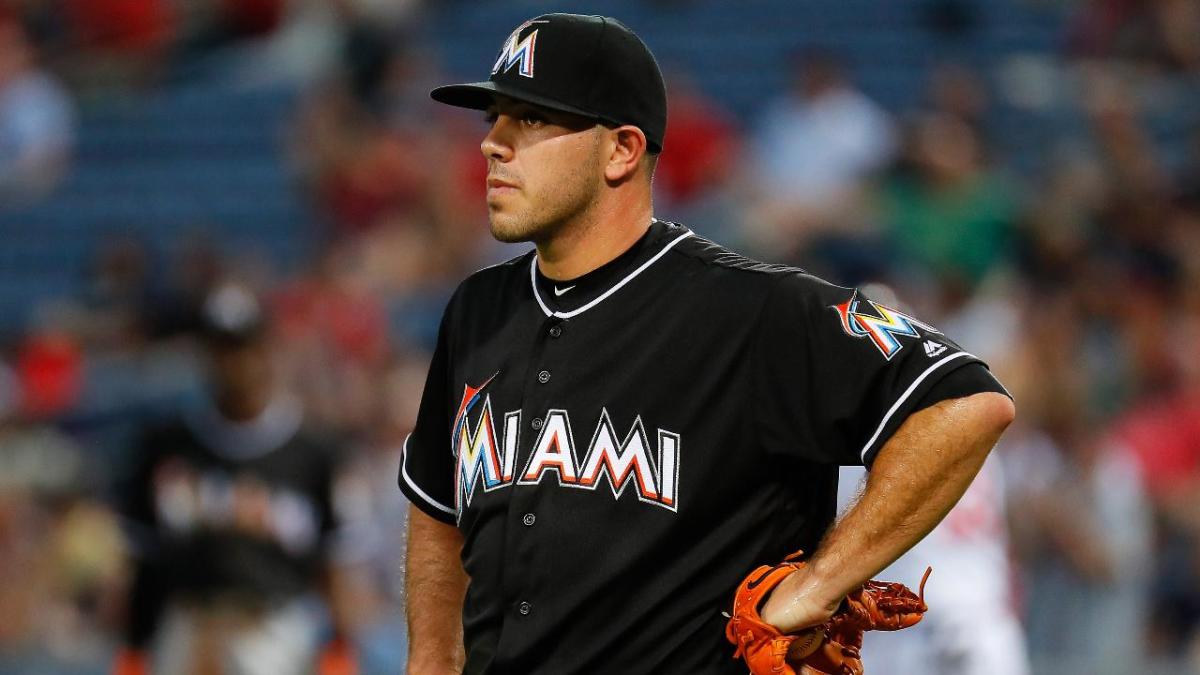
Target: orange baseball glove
pixel 831 648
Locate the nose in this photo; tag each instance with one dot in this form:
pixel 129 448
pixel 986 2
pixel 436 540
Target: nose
pixel 497 144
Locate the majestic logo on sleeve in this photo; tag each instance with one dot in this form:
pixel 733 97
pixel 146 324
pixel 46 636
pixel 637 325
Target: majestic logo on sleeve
pixel 518 51
pixel 883 325
pixel 487 460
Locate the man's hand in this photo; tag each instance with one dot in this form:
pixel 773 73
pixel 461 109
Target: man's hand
pixel 798 602
pixel 831 647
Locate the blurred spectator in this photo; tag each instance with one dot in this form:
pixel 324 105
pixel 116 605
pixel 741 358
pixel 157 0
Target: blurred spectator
pixel 695 172
pixel 234 519
pixel 60 550
pixel 811 152
pixel 359 170
pixel 332 338
pixel 1081 520
pixel 133 27
pixel 1082 523
pixel 369 485
pixel 947 211
pixel 975 629
pixel 116 295
pixel 961 92
pixel 49 368
pixel 1163 432
pixel 117 44
pixel 37 119
pixel 702 142
pixel 1159 33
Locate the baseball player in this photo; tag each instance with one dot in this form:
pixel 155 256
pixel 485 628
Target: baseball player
pixel 620 424
pixel 233 521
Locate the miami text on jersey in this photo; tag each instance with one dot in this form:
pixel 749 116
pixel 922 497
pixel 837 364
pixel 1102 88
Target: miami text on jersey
pixel 881 327
pixel 487 460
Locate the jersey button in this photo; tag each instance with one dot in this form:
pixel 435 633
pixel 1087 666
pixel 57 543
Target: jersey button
pixel 555 331
pixel 536 423
pixel 524 608
pixel 544 376
pixel 529 519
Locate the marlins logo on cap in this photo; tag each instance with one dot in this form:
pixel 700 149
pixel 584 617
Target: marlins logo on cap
pixel 592 66
pixel 517 50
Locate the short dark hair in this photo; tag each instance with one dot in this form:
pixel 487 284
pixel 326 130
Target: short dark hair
pixel 651 160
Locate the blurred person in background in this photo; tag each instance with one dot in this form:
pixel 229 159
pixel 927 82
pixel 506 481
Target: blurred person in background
pixel 332 338
pixel 234 522
pixel 60 547
pixel 974 628
pixel 1081 520
pixel 382 514
pixel 945 209
pixel 37 119
pixel 810 155
pixel 1156 33
pixel 697 167
pixel 116 45
pixel 1162 431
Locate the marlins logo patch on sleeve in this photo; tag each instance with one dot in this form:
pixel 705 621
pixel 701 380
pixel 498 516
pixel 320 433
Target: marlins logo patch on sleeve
pixel 882 325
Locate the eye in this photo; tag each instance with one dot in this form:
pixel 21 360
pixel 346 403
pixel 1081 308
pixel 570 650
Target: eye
pixel 532 119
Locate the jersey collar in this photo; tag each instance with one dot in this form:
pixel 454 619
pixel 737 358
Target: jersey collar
pixel 276 425
pixel 566 299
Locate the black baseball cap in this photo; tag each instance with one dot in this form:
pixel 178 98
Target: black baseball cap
pixel 232 317
pixel 588 65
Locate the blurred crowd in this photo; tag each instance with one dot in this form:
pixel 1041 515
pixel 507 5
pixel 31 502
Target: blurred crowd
pixel 1077 280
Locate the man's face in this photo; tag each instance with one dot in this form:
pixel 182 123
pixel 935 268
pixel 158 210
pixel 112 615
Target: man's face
pixel 544 169
pixel 242 371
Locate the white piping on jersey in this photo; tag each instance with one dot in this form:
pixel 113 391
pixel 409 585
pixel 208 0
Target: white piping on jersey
pixel 615 287
pixel 269 431
pixel 413 484
pixel 903 397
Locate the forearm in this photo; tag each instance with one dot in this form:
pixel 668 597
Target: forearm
pixel 917 478
pixel 435 585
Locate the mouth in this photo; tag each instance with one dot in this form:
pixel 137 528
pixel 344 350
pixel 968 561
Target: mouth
pixel 500 185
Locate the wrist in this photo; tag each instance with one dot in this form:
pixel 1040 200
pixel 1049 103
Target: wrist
pixel 822 585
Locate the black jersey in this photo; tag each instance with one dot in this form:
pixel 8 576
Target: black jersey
pixel 621 449
pixel 228 511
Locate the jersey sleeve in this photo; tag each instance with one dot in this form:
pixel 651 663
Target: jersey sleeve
pixel 427 463
pixel 837 374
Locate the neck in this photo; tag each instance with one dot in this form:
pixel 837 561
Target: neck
pixel 245 407
pixel 592 240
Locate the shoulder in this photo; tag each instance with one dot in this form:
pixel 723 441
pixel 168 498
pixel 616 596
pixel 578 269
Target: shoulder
pixel 717 260
pixel 517 265
pixel 775 282
pixel 487 285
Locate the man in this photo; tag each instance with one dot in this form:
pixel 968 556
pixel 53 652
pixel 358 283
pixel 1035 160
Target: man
pixel 234 521
pixel 37 118
pixel 619 425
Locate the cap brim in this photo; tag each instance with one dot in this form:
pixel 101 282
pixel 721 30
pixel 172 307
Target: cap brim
pixel 479 95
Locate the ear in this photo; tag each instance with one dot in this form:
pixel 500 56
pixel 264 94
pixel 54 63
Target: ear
pixel 628 145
